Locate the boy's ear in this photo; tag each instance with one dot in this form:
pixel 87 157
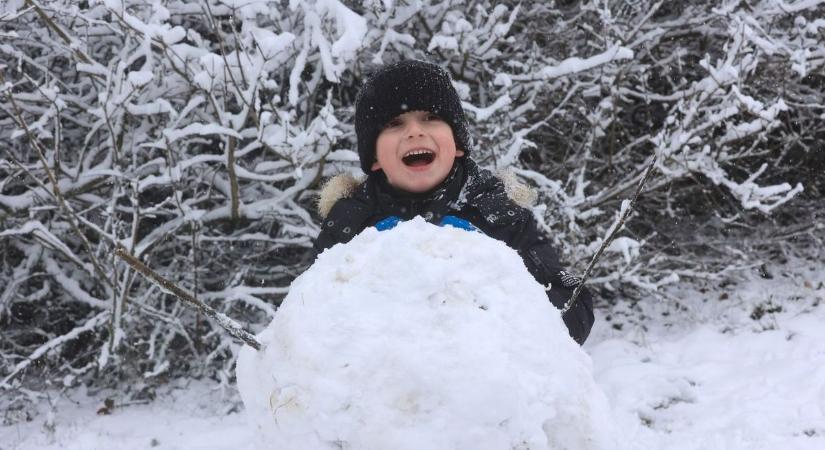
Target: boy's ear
pixel 459 152
pixel 375 166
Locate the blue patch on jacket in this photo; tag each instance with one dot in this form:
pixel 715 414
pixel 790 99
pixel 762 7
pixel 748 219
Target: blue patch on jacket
pixel 390 222
pixel 457 222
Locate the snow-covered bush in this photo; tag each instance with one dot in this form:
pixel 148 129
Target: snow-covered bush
pixel 195 135
pixel 421 337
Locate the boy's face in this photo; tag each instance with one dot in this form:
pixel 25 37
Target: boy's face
pixel 416 151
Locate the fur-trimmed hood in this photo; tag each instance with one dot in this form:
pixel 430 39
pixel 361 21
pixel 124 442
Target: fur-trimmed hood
pixel 343 185
pixel 336 188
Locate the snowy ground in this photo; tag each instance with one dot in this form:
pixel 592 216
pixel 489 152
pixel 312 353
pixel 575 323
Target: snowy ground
pixel 745 370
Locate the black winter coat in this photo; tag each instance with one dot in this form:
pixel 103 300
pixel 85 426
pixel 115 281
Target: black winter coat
pixel 474 195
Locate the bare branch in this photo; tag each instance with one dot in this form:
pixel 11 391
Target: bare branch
pixel 232 327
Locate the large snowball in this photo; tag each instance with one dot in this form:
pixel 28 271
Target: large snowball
pixel 421 338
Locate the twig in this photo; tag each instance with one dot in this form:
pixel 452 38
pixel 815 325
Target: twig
pixel 233 179
pixel 90 325
pixel 616 227
pixel 58 194
pixel 225 322
pixel 62 33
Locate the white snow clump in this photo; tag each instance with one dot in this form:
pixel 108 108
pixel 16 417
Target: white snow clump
pixel 421 338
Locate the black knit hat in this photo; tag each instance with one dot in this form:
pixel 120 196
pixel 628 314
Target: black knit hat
pixel 402 87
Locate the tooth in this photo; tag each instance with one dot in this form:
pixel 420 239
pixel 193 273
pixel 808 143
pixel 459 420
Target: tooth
pixel 418 152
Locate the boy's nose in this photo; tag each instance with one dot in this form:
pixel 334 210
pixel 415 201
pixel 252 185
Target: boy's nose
pixel 414 129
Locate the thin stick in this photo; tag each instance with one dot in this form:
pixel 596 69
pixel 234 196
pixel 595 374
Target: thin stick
pixel 225 322
pixel 617 226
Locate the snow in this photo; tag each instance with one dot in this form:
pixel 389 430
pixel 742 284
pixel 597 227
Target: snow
pixel 629 248
pixel 443 42
pixel 715 368
pixel 93 69
pixel 198 129
pixel 392 37
pixel 139 78
pixel 154 107
pixel 42 234
pixel 271 44
pixel 750 375
pixel 364 354
pixel 52 344
pixel 352 29
pixel 185 416
pixel 485 113
pixel 575 64
pixel 354 26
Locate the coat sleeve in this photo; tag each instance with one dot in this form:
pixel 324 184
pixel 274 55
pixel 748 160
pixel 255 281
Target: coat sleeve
pixel 502 219
pixel 543 263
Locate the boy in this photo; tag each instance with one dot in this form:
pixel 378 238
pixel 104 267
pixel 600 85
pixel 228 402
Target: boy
pixel 414 145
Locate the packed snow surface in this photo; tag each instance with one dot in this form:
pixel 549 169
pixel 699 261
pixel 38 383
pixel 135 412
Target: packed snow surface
pixel 421 337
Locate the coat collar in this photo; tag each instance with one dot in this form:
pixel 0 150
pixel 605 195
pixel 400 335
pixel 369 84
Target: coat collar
pixel 344 186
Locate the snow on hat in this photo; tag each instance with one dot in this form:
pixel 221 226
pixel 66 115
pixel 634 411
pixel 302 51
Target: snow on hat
pixel 409 85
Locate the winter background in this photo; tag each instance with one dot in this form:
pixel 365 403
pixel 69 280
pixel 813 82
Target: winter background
pixel 197 134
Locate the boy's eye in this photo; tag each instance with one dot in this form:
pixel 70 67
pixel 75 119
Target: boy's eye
pixel 393 123
pixel 432 116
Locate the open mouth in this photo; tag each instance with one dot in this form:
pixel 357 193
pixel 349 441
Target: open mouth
pixel 418 158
